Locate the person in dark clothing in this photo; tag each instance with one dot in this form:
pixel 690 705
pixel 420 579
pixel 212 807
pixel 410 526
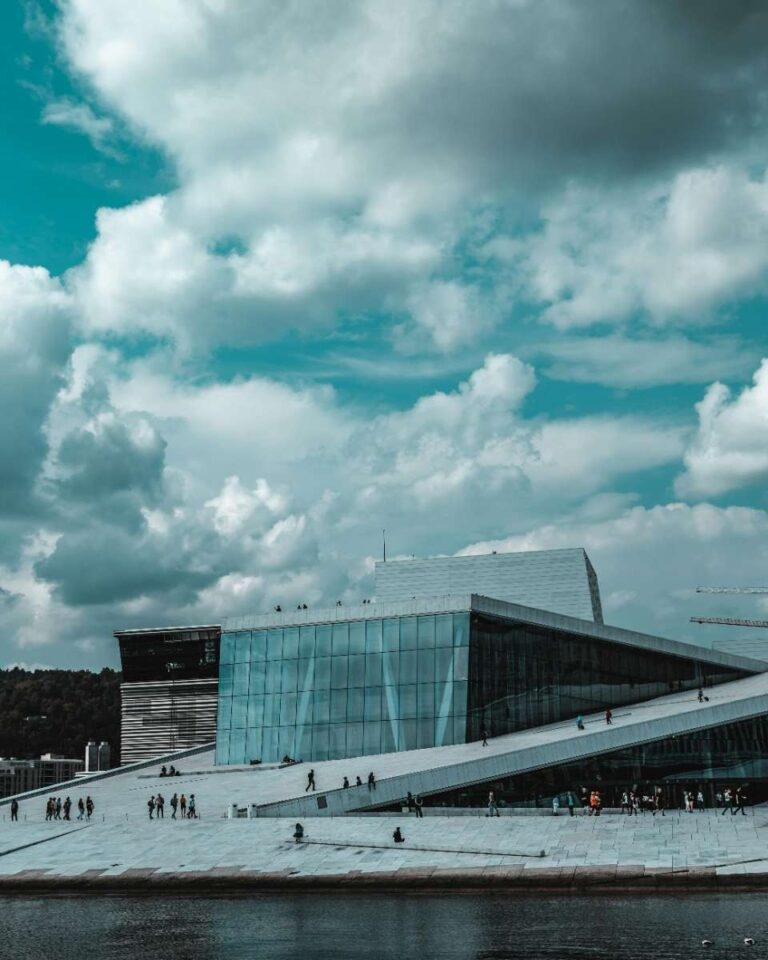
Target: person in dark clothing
pixel 58 808
pixel 358 782
pixel 151 806
pixel 88 808
pixel 608 716
pixel 14 810
pixel 310 781
pixel 397 836
pixel 298 833
pixel 192 815
pixel 371 781
pixel 701 695
pixel 571 801
pixel 484 735
pixel 160 806
pixel 409 802
pixel 658 802
pixel 418 803
pixel 741 799
pixel 183 806
pixel 67 808
pixel 345 784
pixel 174 805
pixel 80 808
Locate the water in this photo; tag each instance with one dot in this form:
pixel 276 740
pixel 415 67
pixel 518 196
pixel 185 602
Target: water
pixel 338 927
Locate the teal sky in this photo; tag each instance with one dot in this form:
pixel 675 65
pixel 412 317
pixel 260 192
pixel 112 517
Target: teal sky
pixel 277 276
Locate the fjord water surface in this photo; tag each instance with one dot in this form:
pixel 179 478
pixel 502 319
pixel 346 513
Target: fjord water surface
pixel 389 927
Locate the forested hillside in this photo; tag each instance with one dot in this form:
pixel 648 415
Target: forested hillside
pixel 58 711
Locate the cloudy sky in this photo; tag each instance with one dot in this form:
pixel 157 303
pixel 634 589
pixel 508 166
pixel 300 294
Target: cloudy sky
pixel 276 275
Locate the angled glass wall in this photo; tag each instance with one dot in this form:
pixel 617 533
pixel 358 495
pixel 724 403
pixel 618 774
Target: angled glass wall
pixel 523 675
pixel 732 755
pixel 327 691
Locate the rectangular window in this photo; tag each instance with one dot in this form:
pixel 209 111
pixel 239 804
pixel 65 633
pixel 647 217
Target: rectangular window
pixel 338 744
pixel 355 702
pixel 461 629
pixel 322 673
pixel 288 710
pixel 443 664
pixel 274 677
pixel 306 641
pixel 252 744
pixel 338 706
pixel 320 741
pixel 408 701
pixel 426 698
pixel 357 637
pixel 408 633
pixel 240 679
pixel 306 671
pixel 239 711
pixel 427 665
pixel 274 644
pixel 354 741
pixel 271 710
pixel 289 681
pixel 259 645
pixel 426 632
pixel 391 634
pixel 408 666
pixel 224 713
pixel 338 672
pixel 227 648
pixel 373 703
pixel 373 669
pixel 269 749
pixel 255 716
pixel 258 677
pixel 323 635
pixel 356 675
pixel 373 640
pixel 290 643
pixel 243 646
pixel 371 738
pixel 321 711
pixel 237 746
pixel 444 630
pixel 226 679
pixel 340 639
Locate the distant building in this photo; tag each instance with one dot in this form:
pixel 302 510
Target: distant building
pixel 755 647
pixel 97 757
pixel 18 776
pixel 560 581
pixel 169 689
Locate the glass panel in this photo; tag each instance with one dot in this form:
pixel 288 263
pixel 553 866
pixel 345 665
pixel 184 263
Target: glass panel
pixel 460 695
pixel 391 634
pixel 371 738
pixel 306 670
pixel 373 669
pixel 426 697
pixel 426 632
pixel 322 673
pixel 340 638
pixel 239 711
pixel 391 666
pixel 461 629
pixel 255 711
pixel 242 646
pixel 286 738
pixel 273 678
pixel 408 702
pixel 408 666
pixel 323 635
pixel 259 645
pixel 306 641
pixel 409 734
pixel 237 746
pixel 269 749
pixel 274 644
pixel 289 682
pixel 426 733
pixel 253 744
pixel 338 672
pixel 258 677
pixel 271 710
pixel 338 743
pixel 355 701
pixel 426 666
pixel 338 706
pixel 288 710
pixel 408 634
pixel 321 711
pixel 373 703
pixel 356 670
pixel 461 664
pixel 224 713
pixel 444 630
pixel 357 637
pixel 227 648
pixel 240 679
pixel 290 643
pixel 320 741
pixel 226 679
pixel 354 741
pixel 373 639
pixel 444 664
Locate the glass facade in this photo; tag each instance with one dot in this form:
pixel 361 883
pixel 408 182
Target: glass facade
pixel 734 755
pixel 523 675
pixel 332 690
pixel 189 653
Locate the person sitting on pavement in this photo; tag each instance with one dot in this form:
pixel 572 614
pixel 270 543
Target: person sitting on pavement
pixel 298 833
pixel 397 836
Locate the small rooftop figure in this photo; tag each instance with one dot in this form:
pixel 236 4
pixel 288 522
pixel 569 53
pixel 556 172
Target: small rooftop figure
pixel 338 603
pixel 278 608
pixel 304 606
pixel 346 783
pixel 163 771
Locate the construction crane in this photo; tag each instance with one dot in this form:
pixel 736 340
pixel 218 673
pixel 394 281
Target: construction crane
pixel 731 589
pixel 731 621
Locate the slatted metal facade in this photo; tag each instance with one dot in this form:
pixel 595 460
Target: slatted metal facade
pixel 163 716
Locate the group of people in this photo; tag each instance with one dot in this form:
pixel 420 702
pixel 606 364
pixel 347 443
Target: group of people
pixel 732 799
pixel 169 771
pixel 180 804
pixel 345 781
pixel 56 810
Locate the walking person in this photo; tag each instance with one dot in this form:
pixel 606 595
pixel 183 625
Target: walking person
pixel 183 806
pixel 727 800
pixel 344 785
pixel 88 808
pixel 57 814
pixel 418 803
pixel 493 810
pixel 701 695
pixel 174 805
pixel 571 801
pixel 741 799
pixel 192 815
pixel 80 808
pixel 484 735
pixel 14 810
pixel 151 806
pixel 658 802
pixel 371 781
pixel 67 808
pixel 409 801
pixel 700 800
pixel 608 716
pixel 580 722
pixel 625 807
pixel 159 805
pixel 310 781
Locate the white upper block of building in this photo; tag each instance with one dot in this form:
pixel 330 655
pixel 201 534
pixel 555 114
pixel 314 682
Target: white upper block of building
pixel 561 581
